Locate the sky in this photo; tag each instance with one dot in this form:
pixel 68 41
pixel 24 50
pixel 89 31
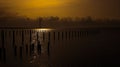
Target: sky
pixel 63 8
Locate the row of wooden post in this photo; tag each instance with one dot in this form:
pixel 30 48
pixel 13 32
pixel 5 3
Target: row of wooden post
pixel 67 35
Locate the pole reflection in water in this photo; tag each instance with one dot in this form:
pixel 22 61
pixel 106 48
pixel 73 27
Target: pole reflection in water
pixel 39 44
pixel 0 54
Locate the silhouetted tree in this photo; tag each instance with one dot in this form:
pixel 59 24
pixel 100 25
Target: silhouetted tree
pixel 40 19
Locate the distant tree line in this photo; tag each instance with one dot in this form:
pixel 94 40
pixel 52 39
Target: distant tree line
pixel 53 21
pixel 76 22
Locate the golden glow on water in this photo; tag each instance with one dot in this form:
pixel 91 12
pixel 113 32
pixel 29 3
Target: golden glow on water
pixel 44 29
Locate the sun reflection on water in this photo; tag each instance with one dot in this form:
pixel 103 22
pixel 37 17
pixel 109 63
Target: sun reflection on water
pixel 43 29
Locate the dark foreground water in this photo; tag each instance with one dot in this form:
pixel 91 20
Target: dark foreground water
pixel 84 47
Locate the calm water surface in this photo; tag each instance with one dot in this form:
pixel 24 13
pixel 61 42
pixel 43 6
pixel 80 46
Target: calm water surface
pixel 59 47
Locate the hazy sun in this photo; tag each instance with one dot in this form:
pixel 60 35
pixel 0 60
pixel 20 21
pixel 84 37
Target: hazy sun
pixel 42 3
pixel 35 8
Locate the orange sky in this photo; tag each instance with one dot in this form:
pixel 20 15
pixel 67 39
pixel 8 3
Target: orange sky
pixel 64 8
